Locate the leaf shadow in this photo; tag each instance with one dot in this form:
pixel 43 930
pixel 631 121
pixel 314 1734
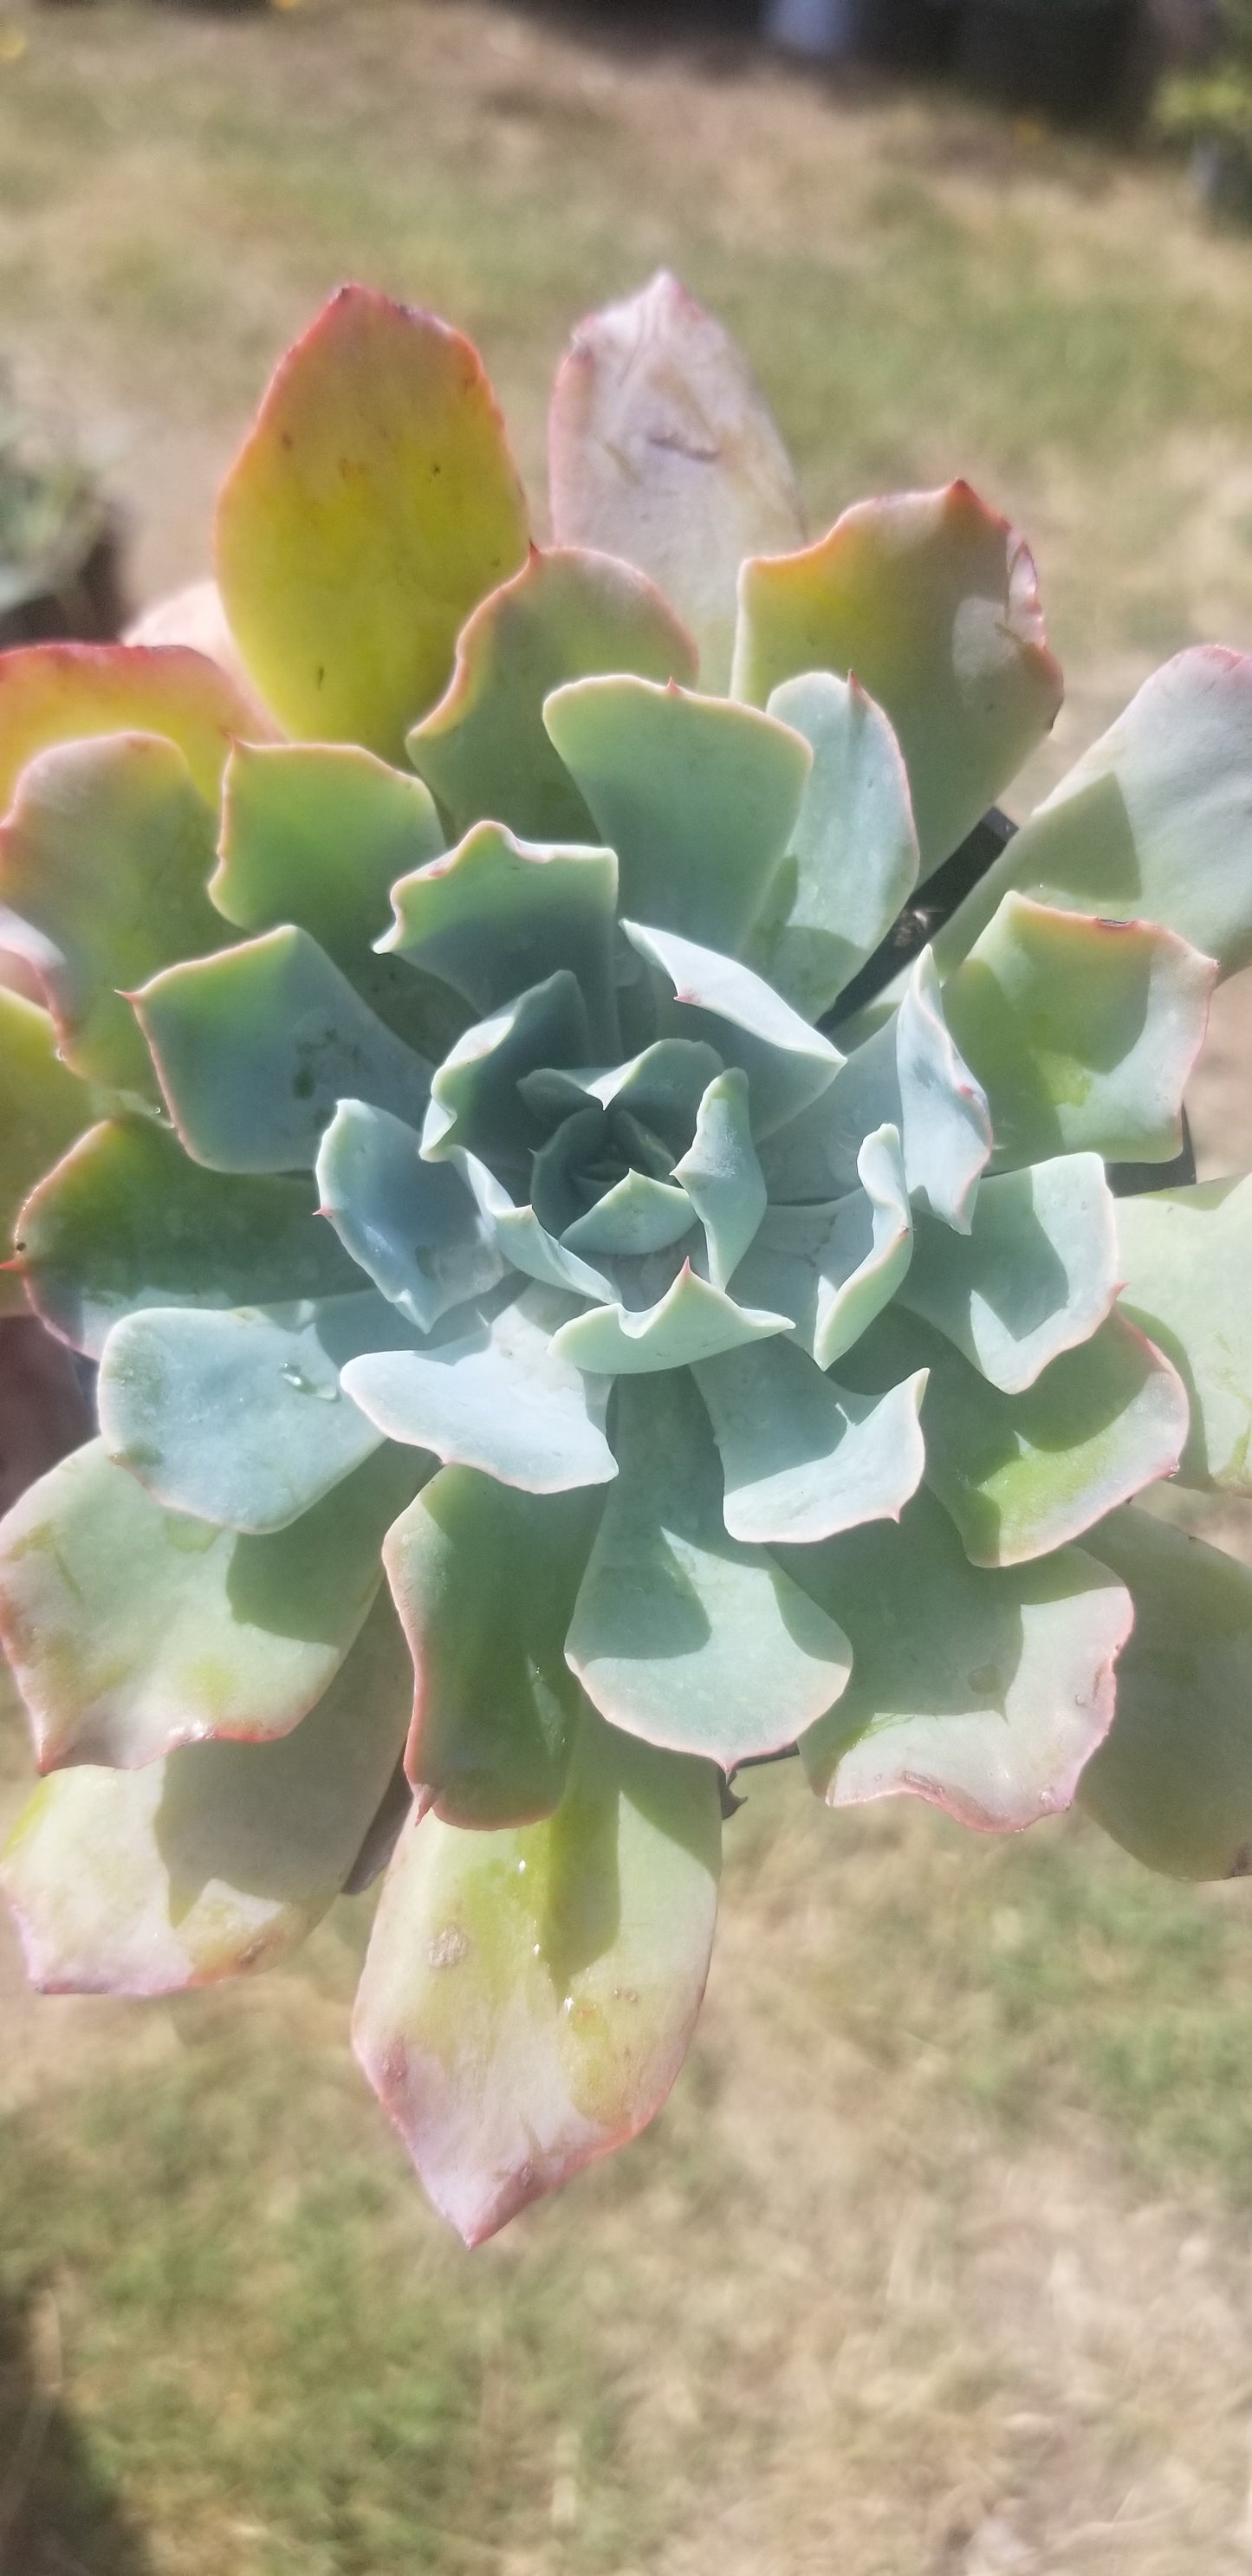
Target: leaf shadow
pixel 59 2513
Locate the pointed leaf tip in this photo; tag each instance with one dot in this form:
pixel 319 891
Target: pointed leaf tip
pixel 528 1996
pixel 373 505
pixel 662 450
pixel 933 598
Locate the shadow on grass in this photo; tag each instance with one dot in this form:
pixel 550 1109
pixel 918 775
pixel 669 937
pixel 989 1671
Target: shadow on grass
pixel 58 2514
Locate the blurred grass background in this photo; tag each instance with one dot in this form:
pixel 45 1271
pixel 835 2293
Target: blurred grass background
pixel 939 2262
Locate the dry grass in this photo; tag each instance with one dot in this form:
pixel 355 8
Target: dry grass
pixel 938 2264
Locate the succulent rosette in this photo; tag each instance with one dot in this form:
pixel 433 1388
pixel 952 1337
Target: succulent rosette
pixel 557 1341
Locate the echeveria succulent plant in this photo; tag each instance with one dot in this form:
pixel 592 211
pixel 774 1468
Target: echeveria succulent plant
pixel 511 1265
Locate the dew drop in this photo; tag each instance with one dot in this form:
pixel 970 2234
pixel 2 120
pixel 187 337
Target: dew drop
pixel 295 1376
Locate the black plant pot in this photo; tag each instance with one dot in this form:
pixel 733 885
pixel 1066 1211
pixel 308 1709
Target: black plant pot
pixel 1064 59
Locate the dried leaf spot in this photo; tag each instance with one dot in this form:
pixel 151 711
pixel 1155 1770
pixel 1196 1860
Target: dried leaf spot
pixel 449 1948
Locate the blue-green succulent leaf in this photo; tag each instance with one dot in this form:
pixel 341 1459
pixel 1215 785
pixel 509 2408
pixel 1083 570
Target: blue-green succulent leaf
pixel 568 612
pixel 1083 1032
pixel 698 797
pixel 220 1858
pixel 868 1250
pixel 103 862
pixel 637 1215
pixel 127 1220
pixel 804 1458
pixel 931 599
pixel 242 1418
pixel 1021 1474
pixel 909 1075
pixel 485 1579
pixel 317 834
pixel 692 1321
pixel 682 1635
pixel 412 1226
pixel 852 861
pixel 497 915
pixel 524 1243
pixel 983 1692
pixel 1185 1257
pixel 787 1063
pixel 476 1104
pixel 721 1174
pixel 662 1088
pixel 1172 1781
pixel 131 1629
pixel 833 1268
pixel 1036 1274
pixel 256 1046
pixel 582 1142
pixel 492 1391
pixel 1154 823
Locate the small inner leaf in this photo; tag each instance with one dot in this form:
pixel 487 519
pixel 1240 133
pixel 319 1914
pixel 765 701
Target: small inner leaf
pixel 853 856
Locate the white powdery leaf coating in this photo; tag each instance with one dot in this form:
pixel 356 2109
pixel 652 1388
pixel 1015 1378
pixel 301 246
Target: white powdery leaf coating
pixel 662 451
pixel 243 1418
pixel 984 1692
pixel 1153 823
pixel 497 1394
pixel 832 1268
pixel 692 1321
pixel 853 855
pixel 1037 1274
pixel 804 1458
pixel 1184 1258
pixel 681 1635
pixel 910 1075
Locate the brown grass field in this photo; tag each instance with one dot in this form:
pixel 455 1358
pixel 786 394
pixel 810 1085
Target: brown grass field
pixel 940 2261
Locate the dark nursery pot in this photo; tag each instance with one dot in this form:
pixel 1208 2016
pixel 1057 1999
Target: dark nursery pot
pixel 1063 59
pixel 907 35
pixel 86 603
